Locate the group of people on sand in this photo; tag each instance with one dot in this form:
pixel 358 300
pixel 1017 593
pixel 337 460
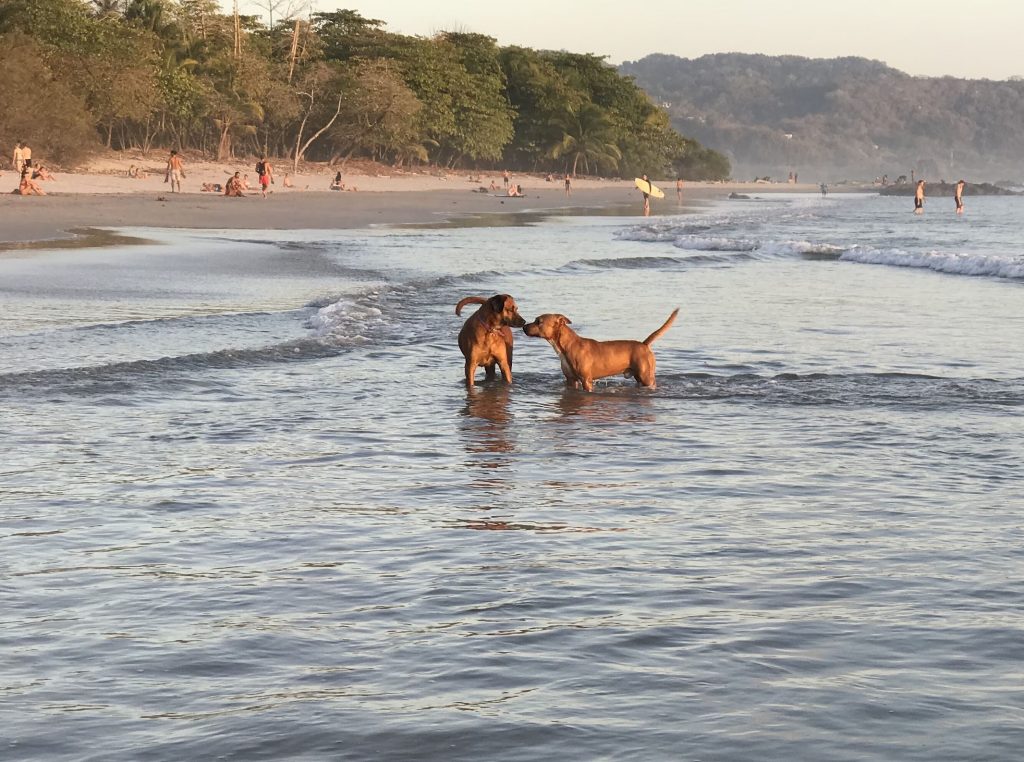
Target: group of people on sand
pixel 28 173
pixel 236 184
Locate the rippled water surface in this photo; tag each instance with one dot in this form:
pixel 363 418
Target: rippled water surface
pixel 249 511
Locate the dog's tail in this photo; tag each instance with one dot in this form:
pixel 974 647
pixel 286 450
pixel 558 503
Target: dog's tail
pixel 468 300
pixel 665 326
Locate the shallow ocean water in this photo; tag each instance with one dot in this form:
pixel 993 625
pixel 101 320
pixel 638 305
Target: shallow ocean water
pixel 248 510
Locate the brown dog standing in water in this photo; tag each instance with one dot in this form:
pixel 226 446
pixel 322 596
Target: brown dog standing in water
pixel 485 338
pixel 583 360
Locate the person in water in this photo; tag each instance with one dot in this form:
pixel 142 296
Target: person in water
pixel 919 198
pixel 958 199
pixel 647 197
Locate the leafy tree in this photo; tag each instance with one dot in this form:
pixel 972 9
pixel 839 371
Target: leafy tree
pixel 379 116
pixel 587 135
pixel 145 73
pixel 322 95
pixel 58 124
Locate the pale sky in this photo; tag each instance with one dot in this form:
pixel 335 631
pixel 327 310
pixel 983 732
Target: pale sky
pixel 961 38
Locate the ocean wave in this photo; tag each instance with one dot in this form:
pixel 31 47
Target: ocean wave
pixel 902 390
pixel 348 319
pixel 949 263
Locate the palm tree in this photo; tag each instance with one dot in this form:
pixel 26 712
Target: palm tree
pixel 587 134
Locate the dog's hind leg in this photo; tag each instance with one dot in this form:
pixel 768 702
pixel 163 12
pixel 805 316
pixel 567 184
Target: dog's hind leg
pixel 489 372
pixel 506 369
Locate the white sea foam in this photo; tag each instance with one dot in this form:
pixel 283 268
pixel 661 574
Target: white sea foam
pixel 347 319
pixel 712 243
pixel 952 263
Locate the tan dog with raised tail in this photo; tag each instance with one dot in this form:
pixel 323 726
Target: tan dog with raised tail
pixel 584 360
pixel 485 338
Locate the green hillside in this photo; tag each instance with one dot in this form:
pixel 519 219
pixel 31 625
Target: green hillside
pixel 830 119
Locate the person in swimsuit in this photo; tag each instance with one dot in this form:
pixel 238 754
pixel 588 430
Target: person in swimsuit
pixel 233 188
pixel 958 197
pixel 27 187
pixel 679 189
pixel 919 198
pixel 568 185
pixel 647 197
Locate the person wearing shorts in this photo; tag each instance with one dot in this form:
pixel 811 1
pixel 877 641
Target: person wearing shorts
pixel 958 197
pixel 266 173
pixel 175 171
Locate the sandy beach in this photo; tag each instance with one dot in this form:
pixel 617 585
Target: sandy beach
pixel 104 196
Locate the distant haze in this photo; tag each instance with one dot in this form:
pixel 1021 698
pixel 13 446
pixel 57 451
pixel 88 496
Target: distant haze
pixel 973 39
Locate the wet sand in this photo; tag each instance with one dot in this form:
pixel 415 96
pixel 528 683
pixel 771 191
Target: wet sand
pixel 55 216
pixel 49 217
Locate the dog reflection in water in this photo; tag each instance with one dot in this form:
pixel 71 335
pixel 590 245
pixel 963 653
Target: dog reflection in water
pixel 616 405
pixel 485 423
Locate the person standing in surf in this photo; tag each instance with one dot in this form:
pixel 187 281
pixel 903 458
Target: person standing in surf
pixel 919 198
pixel 679 189
pixel 958 194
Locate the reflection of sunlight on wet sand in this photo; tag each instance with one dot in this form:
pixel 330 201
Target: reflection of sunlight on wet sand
pixel 613 405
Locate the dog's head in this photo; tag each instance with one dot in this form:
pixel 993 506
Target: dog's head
pixel 504 306
pixel 546 326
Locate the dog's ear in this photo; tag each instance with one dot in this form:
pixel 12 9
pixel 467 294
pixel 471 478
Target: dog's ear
pixel 564 320
pixel 497 302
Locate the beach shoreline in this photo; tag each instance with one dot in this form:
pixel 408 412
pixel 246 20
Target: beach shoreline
pixel 109 199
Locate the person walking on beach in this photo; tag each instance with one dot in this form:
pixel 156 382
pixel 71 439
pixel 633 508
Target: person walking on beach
pixel 919 198
pixel 175 171
pixel 26 154
pixel 647 197
pixel 958 194
pixel 266 174
pixel 18 161
pixel 679 189
pixel 505 177
pixel 568 185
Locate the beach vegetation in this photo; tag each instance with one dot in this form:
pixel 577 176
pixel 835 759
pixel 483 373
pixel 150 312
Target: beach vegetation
pixel 333 86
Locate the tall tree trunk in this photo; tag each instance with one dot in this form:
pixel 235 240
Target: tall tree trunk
pixel 300 147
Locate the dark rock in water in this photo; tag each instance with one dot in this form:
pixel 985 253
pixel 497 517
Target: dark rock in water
pixel 947 189
pixel 739 195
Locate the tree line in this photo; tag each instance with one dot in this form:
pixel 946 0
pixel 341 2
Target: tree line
pixel 145 74
pixel 840 118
